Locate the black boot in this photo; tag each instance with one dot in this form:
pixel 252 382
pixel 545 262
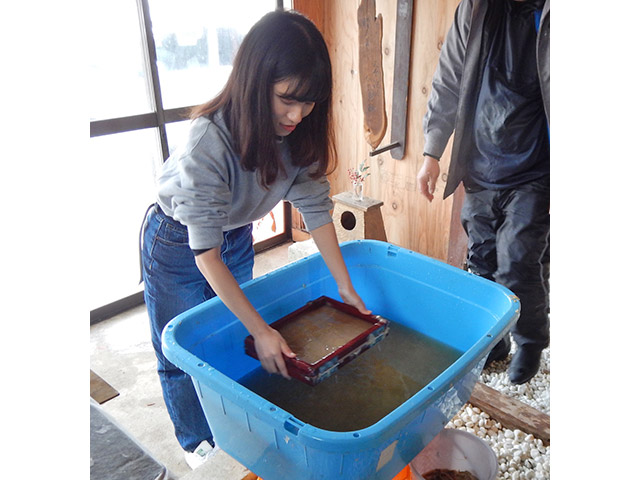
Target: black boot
pixel 500 351
pixel 524 364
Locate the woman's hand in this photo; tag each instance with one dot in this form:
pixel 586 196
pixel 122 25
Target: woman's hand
pixel 350 297
pixel 270 347
pixel 327 242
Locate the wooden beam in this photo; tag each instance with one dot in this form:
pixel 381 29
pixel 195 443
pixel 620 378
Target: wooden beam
pixel 313 9
pixel 457 251
pixel 511 413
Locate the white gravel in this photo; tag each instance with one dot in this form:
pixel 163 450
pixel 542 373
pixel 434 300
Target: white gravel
pixel 520 455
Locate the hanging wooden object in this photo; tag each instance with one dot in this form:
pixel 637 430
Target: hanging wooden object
pixel 402 62
pixel 371 73
pixel 404 26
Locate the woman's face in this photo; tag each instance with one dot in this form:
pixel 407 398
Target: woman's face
pixel 287 111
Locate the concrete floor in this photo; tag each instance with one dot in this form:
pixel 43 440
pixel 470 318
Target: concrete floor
pixel 121 353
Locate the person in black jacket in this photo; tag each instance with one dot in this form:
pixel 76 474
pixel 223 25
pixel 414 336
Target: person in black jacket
pixel 491 87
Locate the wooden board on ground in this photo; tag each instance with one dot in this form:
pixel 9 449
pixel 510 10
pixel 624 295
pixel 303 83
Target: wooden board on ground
pixel 511 413
pixel 101 391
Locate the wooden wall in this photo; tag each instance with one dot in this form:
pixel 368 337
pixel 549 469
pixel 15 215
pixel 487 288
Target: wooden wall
pixel 410 220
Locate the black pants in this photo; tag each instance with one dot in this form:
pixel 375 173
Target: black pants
pixel 508 234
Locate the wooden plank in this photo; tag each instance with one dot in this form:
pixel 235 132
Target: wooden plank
pixel 404 30
pixel 100 390
pixel 458 240
pixel 371 74
pixel 299 231
pixel 312 9
pixel 511 413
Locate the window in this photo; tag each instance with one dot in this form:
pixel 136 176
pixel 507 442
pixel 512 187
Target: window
pixel 138 109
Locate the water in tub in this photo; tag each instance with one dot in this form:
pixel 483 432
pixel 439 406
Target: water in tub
pixel 366 389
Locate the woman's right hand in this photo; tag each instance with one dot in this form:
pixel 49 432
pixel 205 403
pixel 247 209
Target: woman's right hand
pixel 270 347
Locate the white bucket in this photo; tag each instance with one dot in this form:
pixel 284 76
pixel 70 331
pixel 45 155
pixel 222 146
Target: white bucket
pixel 454 449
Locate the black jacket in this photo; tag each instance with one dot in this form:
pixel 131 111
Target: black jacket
pixel 457 80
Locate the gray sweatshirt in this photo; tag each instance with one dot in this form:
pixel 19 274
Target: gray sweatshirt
pixel 204 187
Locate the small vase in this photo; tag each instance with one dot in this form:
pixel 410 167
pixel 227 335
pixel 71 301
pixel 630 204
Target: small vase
pixel 358 190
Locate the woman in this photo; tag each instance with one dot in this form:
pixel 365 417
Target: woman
pixel 264 138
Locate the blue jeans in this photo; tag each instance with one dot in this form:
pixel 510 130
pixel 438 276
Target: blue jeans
pixel 173 284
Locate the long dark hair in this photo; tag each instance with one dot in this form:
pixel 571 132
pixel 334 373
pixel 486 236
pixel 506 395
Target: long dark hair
pixel 283 45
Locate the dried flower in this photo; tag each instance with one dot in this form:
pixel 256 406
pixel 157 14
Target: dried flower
pixel 359 175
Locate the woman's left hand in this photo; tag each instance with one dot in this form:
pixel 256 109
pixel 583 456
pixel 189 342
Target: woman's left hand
pixel 350 297
pixel 327 242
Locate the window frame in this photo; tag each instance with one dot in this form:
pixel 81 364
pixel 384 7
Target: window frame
pixel 158 118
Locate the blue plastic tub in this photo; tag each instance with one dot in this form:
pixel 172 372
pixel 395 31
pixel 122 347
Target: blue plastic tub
pixel 447 304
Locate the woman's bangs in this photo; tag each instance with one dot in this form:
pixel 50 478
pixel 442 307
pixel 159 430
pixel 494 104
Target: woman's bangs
pixel 314 86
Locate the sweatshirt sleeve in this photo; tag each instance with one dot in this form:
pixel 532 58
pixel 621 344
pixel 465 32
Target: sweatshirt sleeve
pixel 439 121
pixel 311 198
pixel 195 188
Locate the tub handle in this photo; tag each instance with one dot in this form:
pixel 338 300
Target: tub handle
pixel 293 425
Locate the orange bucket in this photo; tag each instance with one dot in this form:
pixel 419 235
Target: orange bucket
pixel 404 474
